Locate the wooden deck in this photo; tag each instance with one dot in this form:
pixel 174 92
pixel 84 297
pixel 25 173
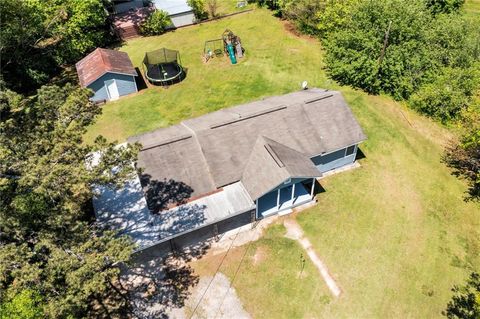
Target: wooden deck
pixel 127 24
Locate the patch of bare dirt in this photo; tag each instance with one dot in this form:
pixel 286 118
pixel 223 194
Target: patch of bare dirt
pixel 259 256
pixel 290 28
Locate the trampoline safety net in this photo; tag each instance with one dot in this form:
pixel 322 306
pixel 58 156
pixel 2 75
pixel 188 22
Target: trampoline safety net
pixel 161 56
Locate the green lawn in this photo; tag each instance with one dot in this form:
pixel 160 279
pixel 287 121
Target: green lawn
pixel 276 62
pixel 472 7
pixel 396 233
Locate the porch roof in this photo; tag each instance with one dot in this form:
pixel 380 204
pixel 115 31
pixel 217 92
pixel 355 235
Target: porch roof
pixel 272 163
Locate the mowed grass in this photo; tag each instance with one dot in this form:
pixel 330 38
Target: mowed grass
pixel 472 7
pixel 276 62
pixel 272 281
pixel 395 233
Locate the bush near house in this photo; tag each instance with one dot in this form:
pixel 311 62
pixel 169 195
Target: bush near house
pixel 156 24
pixel 198 7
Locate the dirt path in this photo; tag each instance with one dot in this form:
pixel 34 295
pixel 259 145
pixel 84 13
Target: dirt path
pixel 294 231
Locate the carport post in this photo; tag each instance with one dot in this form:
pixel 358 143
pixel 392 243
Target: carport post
pixel 293 193
pixel 313 187
pixel 278 198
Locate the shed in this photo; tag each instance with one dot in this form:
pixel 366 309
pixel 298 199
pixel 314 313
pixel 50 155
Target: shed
pixel 108 73
pixel 179 11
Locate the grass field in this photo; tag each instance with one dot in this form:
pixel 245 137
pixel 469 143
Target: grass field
pixel 472 7
pixel 395 233
pixel 276 62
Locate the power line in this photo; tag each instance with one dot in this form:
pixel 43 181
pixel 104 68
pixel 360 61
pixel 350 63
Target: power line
pixel 233 279
pixel 216 272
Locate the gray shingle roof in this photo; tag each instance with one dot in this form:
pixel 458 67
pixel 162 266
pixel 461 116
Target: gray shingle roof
pixel 311 122
pixel 271 163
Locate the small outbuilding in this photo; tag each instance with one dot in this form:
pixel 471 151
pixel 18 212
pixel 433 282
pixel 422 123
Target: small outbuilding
pixel 108 73
pixel 179 11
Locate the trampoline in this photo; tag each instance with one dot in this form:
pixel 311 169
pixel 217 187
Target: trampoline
pixel 163 67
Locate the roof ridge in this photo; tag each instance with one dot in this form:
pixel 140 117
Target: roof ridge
pixel 204 158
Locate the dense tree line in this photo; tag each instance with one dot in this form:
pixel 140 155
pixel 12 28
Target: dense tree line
pixel 39 37
pixel 55 261
pixel 51 250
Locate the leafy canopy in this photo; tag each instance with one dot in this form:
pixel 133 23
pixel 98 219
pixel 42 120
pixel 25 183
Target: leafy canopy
pixel 465 303
pixel 156 23
pixel 39 36
pixel 48 239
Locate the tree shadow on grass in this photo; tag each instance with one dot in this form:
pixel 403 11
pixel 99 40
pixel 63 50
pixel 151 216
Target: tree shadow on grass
pixel 161 195
pixel 159 283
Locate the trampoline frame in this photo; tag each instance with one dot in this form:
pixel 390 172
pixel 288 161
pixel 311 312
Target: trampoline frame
pixel 161 56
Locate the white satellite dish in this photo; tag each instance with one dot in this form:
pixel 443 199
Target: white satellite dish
pixel 304 85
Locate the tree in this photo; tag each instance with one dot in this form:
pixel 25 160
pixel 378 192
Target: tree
pixel 382 49
pixel 198 7
pixel 27 304
pixel 464 156
pixel 156 23
pixel 39 36
pixel 48 240
pixel 444 6
pixel 212 8
pixel 465 303
pixel 396 47
pixel 336 14
pixel 450 92
pixel 304 13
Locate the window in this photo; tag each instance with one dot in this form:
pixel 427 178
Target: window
pixel 350 150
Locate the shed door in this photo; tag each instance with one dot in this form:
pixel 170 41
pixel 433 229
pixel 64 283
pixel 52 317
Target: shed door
pixel 112 89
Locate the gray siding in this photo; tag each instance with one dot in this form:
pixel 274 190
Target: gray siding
pixel 125 84
pixel 182 19
pixel 327 162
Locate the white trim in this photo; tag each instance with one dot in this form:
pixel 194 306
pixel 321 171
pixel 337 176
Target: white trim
pixel 338 149
pixel 293 193
pixel 313 187
pixel 86 85
pixel 135 82
pixel 282 184
pixel 278 198
pixel 114 81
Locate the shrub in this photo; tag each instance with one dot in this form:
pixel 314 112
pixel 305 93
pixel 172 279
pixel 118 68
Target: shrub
pixel 156 24
pixel 27 304
pixel 198 7
pixel 444 6
pixel 447 94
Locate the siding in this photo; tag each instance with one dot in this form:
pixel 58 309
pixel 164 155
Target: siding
pixel 182 19
pixel 125 84
pixel 334 160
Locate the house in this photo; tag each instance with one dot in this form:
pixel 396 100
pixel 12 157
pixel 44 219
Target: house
pixel 179 11
pixel 261 158
pixel 108 73
pixel 121 6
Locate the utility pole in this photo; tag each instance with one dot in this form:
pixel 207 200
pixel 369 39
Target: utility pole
pixel 385 43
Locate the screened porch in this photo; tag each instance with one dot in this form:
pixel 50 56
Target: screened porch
pixel 292 193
